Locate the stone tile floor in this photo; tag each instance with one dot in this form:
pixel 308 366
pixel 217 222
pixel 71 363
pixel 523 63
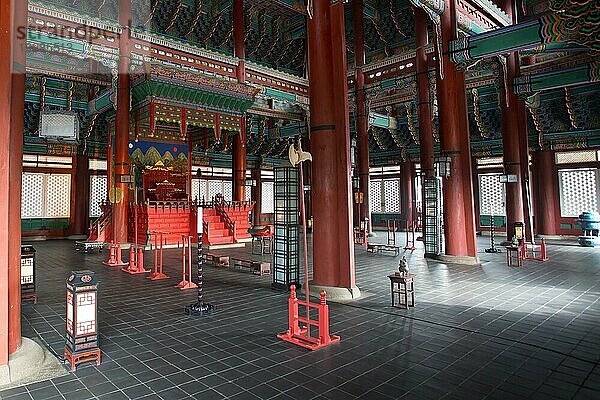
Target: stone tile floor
pixel 488 332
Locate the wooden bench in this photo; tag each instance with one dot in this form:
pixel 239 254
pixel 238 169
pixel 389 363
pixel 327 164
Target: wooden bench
pixel 256 267
pixel 216 259
pixel 89 246
pixel 379 247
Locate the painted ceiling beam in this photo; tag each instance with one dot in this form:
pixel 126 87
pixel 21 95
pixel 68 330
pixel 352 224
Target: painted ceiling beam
pixel 579 75
pixel 523 36
pixel 382 121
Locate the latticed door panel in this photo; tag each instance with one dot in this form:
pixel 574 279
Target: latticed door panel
pixel 200 190
pixel 267 198
pixel 391 196
pixel 32 196
pixel 58 196
pixel 227 190
pixel 579 191
pixel 196 189
pixel 375 200
pixel 491 195
pixel 98 189
pixel 214 188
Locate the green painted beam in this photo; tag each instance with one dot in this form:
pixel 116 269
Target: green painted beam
pixel 523 36
pixel 382 121
pixel 279 95
pixel 557 79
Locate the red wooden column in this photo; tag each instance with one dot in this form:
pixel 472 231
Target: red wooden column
pixel 121 150
pixel 239 163
pixel 333 250
pixel 80 195
pixel 239 141
pixel 514 129
pixel 257 193
pixel 6 22
pixel 427 157
pixel 546 183
pixel 362 120
pixel 459 217
pixel 407 182
pixel 15 143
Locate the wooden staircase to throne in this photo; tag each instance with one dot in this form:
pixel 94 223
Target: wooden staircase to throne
pixel 226 222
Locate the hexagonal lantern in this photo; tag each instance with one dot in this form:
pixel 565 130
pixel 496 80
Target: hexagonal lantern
pixel 82 322
pixel 286 254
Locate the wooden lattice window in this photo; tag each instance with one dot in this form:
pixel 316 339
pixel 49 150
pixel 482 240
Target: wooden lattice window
pixel 491 195
pixel 267 198
pixel 98 187
pixel 46 195
pixel 579 191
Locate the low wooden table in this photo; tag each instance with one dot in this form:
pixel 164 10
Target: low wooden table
pixel 379 247
pixel 216 259
pixel 405 286
pixel 262 244
pixel 514 256
pixel 88 246
pixel 256 267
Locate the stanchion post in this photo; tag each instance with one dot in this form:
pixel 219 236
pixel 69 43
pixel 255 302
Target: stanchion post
pixel 294 328
pixel 323 319
pixel 199 308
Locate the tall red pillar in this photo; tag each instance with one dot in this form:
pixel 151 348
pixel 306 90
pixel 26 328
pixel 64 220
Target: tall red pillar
pixel 362 119
pixel 239 141
pixel 459 216
pixel 333 250
pixel 257 193
pixel 546 184
pixel 239 164
pixel 15 143
pixel 6 50
pixel 427 156
pixel 407 181
pixel 514 139
pixel 121 150
pixel 80 207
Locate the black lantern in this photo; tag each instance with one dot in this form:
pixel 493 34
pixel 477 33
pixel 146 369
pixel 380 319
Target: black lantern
pixel 286 255
pixel 28 273
pixel 82 319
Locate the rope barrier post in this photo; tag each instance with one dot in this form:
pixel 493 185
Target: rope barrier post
pixel 186 255
pixel 543 254
pixel 158 266
pixel 493 248
pixel 410 237
pixel 323 318
pixel 114 259
pixel 293 315
pixel 199 308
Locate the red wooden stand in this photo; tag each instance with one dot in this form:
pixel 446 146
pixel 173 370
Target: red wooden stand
pixel 186 264
pixel 158 257
pixel 114 259
pixel 136 261
pixel 410 238
pixel 32 297
pixel 76 359
pixel 360 236
pixel 536 252
pixel 300 335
